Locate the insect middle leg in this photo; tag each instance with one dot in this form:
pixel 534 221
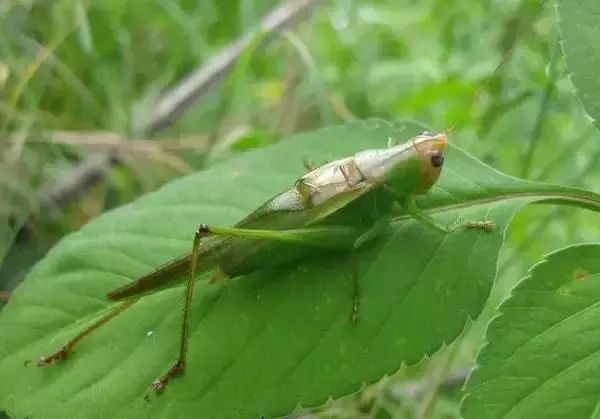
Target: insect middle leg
pixel 377 229
pixel 423 218
pixel 356 294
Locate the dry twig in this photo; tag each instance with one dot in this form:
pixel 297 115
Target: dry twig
pixel 173 104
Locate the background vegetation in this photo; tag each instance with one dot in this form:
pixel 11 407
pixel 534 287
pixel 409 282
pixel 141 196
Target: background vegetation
pixel 92 68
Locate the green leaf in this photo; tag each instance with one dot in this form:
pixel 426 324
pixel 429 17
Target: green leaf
pixel 542 354
pixel 580 35
pixel 264 343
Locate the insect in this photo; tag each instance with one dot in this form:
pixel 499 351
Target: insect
pixel 340 205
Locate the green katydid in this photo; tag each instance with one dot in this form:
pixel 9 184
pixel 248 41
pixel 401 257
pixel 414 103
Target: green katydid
pixel 340 205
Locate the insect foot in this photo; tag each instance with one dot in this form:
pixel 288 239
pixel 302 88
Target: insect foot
pixel 62 353
pixel 203 230
pixel 486 225
pixel 354 316
pixel 160 383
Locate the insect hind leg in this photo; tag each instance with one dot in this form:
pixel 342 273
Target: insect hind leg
pixel 179 366
pixel 67 348
pixel 330 236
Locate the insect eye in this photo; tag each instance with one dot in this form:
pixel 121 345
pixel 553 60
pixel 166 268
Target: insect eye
pixel 437 159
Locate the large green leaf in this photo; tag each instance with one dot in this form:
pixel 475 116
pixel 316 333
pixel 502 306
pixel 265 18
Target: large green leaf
pixel 266 342
pixel 542 359
pixel 580 34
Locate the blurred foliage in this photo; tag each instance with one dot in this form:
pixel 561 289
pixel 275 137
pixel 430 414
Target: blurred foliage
pixel 96 66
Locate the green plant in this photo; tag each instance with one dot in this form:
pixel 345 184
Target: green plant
pixel 276 317
pixel 271 330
